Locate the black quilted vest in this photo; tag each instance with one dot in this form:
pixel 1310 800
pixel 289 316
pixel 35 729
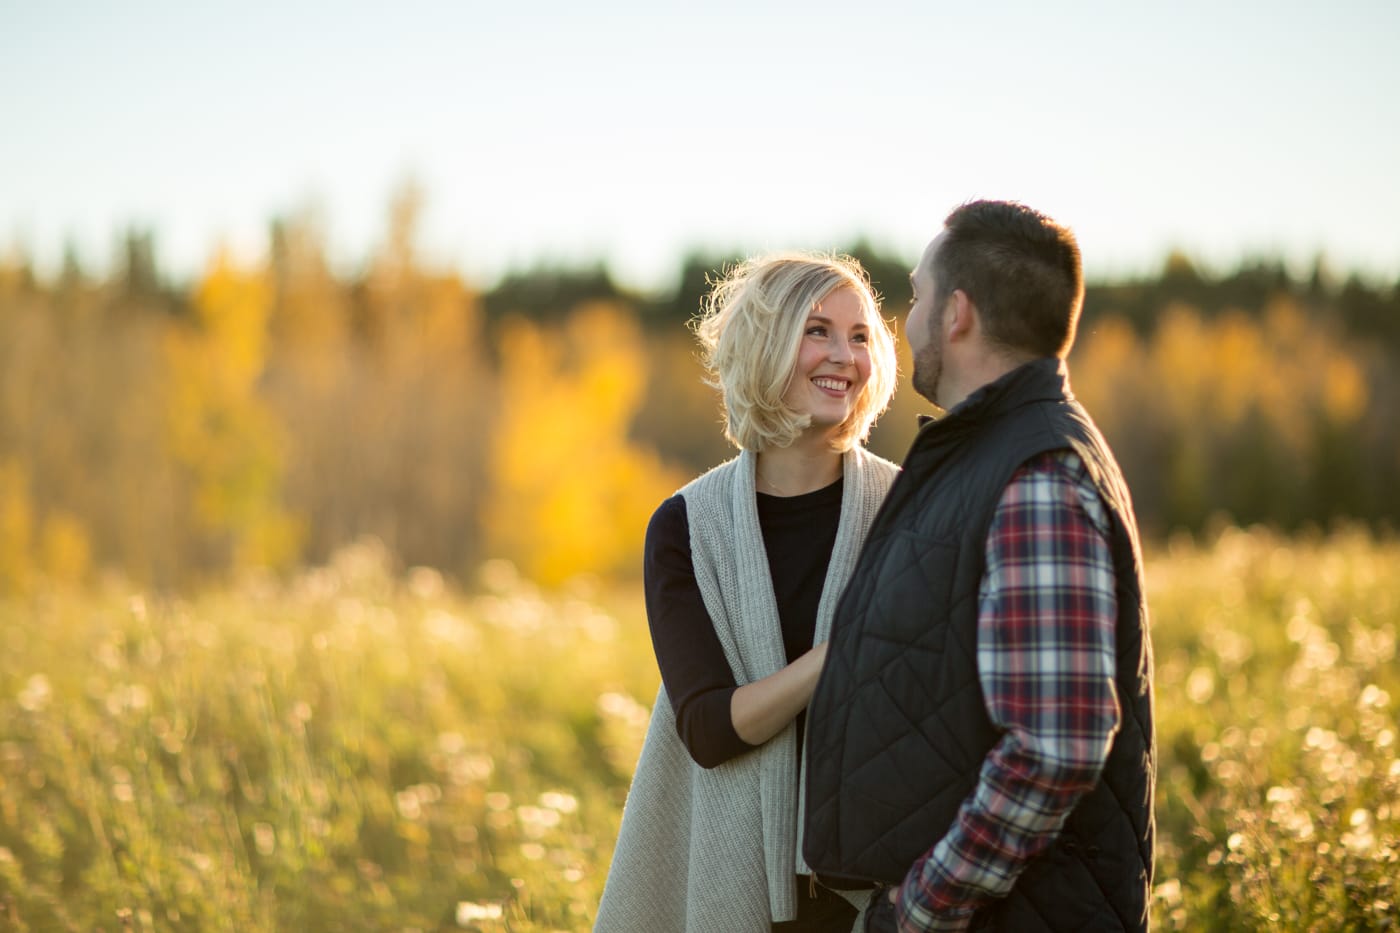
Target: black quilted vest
pixel 898 728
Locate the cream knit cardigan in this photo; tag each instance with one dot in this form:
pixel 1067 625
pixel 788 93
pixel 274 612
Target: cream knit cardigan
pixel 716 851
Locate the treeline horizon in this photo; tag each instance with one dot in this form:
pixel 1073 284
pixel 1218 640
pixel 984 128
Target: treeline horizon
pixel 1366 302
pixel 274 410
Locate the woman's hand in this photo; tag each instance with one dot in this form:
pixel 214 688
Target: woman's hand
pixel 761 709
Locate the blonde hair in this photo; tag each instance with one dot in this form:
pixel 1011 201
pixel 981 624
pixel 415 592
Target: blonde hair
pixel 751 327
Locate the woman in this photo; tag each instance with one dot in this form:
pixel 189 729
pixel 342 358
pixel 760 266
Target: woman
pixel 743 569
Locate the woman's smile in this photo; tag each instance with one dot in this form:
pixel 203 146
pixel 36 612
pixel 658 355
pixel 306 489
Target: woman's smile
pixel 832 385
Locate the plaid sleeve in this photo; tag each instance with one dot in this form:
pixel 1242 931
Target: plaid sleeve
pixel 1045 656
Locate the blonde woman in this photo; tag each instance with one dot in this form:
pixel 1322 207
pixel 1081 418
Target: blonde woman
pixel 743 568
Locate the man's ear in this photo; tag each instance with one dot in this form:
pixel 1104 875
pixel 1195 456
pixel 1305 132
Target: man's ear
pixel 960 319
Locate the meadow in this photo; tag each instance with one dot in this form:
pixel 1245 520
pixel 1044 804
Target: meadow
pixel 357 747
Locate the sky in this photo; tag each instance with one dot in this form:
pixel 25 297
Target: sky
pixel 635 132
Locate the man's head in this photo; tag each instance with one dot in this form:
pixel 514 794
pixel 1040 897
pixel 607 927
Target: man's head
pixel 1012 281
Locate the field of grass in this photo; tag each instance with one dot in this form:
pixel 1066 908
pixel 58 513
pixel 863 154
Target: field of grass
pixel 360 750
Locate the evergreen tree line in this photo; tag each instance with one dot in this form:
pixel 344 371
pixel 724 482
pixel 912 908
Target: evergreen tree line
pixel 275 410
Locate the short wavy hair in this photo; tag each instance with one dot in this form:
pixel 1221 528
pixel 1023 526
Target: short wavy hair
pixel 751 326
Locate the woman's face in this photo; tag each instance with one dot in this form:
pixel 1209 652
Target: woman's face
pixel 833 360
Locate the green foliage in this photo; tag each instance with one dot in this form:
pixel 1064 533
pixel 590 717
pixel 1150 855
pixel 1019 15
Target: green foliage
pixel 549 292
pixel 356 750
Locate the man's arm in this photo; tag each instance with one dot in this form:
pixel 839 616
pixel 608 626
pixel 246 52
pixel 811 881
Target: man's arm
pixel 1045 657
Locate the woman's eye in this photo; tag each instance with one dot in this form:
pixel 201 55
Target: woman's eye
pixel 861 338
pixel 816 330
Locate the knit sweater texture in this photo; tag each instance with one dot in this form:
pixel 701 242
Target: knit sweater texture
pixel 707 850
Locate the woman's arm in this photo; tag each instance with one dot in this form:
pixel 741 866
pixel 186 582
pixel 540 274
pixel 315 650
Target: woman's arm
pixel 696 674
pixel 716 719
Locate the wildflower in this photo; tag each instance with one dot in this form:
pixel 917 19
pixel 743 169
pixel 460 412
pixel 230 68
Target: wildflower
pixel 1373 697
pixel 554 800
pixel 406 801
pixel 1200 686
pixel 36 694
pixel 536 821
pixel 467 911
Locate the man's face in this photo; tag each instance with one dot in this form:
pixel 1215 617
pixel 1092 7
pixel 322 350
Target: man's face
pixel 923 328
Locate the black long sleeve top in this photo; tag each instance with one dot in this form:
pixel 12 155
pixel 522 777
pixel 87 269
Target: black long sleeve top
pixel 798 535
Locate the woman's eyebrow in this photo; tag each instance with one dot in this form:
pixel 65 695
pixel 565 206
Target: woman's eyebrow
pixel 823 319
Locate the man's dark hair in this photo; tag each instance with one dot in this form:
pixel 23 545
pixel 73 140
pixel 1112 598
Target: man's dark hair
pixel 1020 268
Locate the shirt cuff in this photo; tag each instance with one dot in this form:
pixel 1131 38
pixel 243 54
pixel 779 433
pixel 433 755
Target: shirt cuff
pixel 940 923
pixel 921 919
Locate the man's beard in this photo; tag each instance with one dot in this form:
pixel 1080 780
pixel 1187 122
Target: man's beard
pixel 928 369
pixel 928 362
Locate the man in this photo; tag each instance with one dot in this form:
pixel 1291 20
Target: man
pixel 981 739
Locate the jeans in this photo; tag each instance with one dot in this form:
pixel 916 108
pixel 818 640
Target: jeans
pixel 828 912
pixel 879 916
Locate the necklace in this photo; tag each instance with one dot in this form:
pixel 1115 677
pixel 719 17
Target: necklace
pixel 776 490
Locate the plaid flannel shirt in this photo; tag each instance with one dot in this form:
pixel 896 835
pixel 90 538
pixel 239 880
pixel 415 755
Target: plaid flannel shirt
pixel 1045 657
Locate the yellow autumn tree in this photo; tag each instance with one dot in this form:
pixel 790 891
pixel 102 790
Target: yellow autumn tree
pixel 16 529
pixel 1251 415
pixel 570 493
pixel 224 440
pixel 308 326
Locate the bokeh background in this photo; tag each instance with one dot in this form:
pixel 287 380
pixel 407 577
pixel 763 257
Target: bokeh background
pixel 343 357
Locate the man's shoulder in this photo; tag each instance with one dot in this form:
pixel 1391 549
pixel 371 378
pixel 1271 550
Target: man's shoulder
pixel 1056 478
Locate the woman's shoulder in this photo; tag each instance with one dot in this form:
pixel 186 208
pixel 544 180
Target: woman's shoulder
pixel 669 520
pixel 712 480
pixel 666 547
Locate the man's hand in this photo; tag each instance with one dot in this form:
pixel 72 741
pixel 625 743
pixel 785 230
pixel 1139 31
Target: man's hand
pixel 880 915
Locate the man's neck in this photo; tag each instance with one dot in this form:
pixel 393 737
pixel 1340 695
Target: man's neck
pixel 981 369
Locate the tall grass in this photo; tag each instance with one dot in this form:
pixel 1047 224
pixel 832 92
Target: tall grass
pixel 360 750
pixel 350 752
pixel 1279 792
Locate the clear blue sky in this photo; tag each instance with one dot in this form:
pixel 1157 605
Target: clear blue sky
pixel 633 131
